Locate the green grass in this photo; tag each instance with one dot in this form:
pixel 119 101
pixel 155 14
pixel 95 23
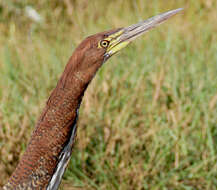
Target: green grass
pixel 148 120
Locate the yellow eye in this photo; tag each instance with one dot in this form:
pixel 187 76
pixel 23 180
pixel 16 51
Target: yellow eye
pixel 104 43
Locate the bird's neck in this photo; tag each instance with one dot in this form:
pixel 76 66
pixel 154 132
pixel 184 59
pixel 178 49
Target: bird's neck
pixel 53 135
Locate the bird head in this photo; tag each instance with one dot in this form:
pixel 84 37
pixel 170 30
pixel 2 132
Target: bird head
pixel 98 48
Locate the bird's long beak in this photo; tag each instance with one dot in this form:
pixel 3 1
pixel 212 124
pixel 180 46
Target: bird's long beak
pixel 124 36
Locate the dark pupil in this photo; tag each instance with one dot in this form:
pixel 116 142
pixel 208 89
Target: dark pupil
pixel 104 43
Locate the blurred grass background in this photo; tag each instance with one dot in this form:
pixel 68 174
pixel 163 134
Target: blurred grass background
pixel 149 118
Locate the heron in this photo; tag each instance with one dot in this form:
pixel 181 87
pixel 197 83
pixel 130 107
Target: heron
pixel 49 150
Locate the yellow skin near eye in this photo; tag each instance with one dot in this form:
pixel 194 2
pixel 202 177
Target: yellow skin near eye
pixel 113 43
pixel 112 38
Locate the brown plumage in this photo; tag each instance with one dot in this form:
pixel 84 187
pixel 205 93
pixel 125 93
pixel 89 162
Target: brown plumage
pixel 54 126
pixel 49 149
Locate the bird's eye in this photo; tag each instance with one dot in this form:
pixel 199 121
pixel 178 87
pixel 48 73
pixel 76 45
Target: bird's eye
pixel 104 43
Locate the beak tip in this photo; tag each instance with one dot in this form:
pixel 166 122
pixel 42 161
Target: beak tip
pixel 175 11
